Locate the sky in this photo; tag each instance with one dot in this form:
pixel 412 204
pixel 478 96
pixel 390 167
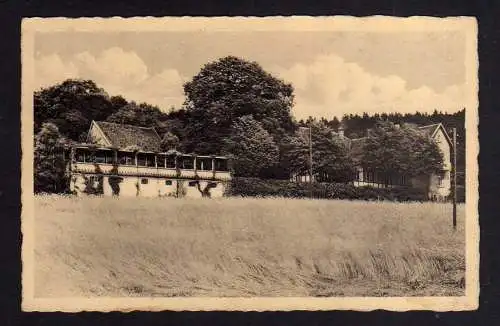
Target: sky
pixel 333 73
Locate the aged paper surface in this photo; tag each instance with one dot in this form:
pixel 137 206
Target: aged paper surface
pixel 465 25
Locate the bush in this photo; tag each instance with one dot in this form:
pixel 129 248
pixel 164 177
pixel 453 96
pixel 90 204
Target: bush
pixel 255 187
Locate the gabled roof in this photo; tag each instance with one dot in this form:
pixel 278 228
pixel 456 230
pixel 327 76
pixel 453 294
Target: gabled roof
pixel 431 131
pixel 122 136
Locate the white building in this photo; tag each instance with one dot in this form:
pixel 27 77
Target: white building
pixel 437 186
pixel 126 160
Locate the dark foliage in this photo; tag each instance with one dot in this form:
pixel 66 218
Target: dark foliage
pixel 142 115
pixel 254 187
pixel 251 147
pixel 331 160
pixel 49 160
pixel 72 105
pixel 228 89
pixel 400 150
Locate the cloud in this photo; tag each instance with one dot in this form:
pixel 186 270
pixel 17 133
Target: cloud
pixel 119 72
pixel 329 86
pixel 51 69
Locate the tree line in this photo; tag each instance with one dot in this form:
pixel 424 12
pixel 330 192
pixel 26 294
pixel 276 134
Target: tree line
pixel 234 107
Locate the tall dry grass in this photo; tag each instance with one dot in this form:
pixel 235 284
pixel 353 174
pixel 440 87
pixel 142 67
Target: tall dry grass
pixel 245 247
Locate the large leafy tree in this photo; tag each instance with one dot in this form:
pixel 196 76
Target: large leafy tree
pixel 72 105
pixel 228 89
pixel 143 114
pixel 404 150
pixel 331 160
pixel 49 164
pixel 251 147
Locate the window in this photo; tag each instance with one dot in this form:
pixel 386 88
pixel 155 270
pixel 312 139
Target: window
pixel 369 176
pixel 204 164
pixel 110 157
pixel 170 162
pixel 192 183
pixel 104 157
pixel 404 180
pixel 126 158
pixel 144 181
pixel 100 157
pixel 141 160
pixel 221 164
pixel 187 163
pixel 160 161
pixel 80 155
pixel 440 180
pixel 147 160
pixel 168 182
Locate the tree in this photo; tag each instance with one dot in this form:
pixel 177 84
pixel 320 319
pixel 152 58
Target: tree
pixel 143 114
pixel 331 161
pixel 357 126
pixel 403 150
pixel 251 147
pixel 49 165
pixel 228 89
pixel 169 141
pixel 71 106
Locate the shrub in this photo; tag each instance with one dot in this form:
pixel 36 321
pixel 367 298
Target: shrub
pixel 255 187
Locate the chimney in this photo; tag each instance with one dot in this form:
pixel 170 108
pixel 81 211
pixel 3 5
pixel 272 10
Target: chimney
pixel 341 131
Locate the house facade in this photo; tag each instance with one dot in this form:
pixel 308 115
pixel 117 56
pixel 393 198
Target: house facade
pixel 126 160
pixel 437 186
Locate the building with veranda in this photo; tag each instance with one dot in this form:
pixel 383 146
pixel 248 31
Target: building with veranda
pixel 127 160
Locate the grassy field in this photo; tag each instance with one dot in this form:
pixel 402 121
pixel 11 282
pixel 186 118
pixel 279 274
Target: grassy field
pixel 245 247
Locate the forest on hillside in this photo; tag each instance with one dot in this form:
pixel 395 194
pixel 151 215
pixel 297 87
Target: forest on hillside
pixel 233 107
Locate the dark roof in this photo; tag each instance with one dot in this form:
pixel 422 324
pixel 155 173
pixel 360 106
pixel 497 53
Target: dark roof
pixel 123 136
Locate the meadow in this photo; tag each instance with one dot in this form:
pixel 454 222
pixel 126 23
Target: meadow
pixel 96 246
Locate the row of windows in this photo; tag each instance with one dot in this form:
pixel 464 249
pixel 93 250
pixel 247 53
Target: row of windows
pixel 149 160
pixel 382 178
pixel 169 183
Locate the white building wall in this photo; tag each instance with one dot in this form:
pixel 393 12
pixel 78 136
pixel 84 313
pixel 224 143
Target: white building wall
pixel 192 191
pixel 219 190
pixel 107 190
pixel 440 186
pixel 132 186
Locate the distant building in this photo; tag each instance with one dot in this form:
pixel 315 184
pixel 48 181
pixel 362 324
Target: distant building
pixel 127 160
pixel 438 186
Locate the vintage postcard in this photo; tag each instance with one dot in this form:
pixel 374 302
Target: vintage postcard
pixel 251 164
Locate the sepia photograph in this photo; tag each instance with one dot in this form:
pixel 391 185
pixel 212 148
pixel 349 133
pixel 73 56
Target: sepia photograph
pixel 277 163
